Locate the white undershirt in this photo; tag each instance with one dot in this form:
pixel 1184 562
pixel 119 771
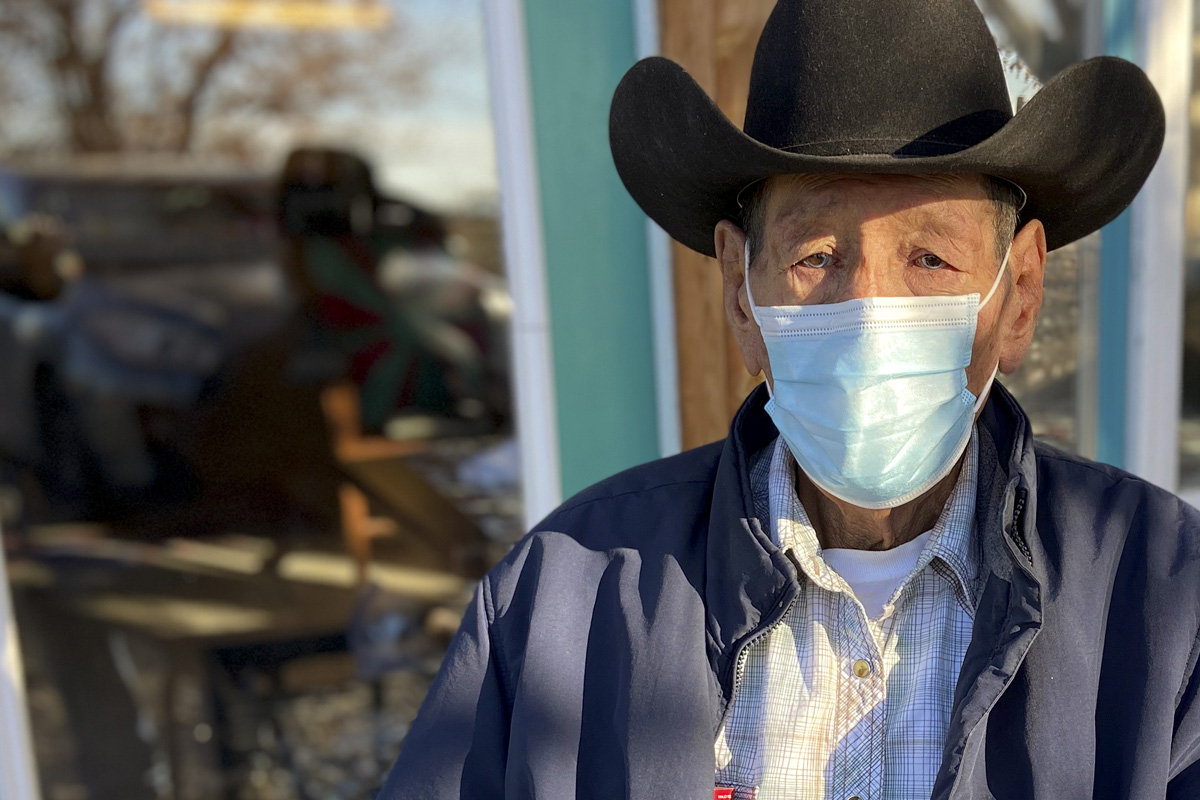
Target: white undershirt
pixel 875 575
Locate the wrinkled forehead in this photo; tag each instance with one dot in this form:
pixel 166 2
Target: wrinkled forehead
pixel 788 200
pixel 831 184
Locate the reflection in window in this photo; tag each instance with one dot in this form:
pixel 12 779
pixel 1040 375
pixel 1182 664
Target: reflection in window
pixel 1189 423
pixel 255 426
pixel 1054 384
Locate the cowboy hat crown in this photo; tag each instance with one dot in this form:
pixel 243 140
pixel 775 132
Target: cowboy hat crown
pixel 885 86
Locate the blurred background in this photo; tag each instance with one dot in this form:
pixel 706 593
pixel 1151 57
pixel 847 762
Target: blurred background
pixel 309 308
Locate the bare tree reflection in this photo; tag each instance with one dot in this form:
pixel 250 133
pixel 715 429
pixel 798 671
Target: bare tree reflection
pixel 99 76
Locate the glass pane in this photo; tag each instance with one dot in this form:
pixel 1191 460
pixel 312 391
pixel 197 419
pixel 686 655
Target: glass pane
pixel 1048 35
pixel 1189 423
pixel 255 423
pixel 1055 384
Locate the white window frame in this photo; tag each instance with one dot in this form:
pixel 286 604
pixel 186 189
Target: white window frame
pixel 18 777
pixel 1156 282
pixel 524 257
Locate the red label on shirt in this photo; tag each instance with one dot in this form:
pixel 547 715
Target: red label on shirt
pixel 723 793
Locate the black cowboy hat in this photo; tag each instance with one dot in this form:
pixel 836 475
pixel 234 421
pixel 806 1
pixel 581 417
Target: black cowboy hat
pixel 885 86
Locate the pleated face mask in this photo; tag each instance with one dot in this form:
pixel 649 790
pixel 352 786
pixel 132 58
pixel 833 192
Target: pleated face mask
pixel 871 394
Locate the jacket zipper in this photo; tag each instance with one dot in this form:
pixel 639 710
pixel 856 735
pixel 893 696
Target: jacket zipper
pixel 740 663
pixel 740 667
pixel 1018 537
pixel 1018 534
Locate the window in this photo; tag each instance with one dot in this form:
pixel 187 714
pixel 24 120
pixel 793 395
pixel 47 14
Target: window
pixel 1055 383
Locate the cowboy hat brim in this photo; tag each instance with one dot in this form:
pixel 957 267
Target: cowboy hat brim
pixel 1080 149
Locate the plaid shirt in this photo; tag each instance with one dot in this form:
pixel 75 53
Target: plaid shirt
pixel 802 724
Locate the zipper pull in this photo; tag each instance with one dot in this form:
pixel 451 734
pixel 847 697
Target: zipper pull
pixel 1017 534
pixel 791 556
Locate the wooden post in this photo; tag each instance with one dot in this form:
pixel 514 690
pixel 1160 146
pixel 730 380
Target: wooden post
pixel 714 41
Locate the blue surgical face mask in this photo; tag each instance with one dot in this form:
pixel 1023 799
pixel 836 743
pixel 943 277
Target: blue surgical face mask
pixel 871 394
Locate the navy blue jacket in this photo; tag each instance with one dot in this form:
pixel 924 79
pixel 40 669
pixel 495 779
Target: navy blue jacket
pixel 597 659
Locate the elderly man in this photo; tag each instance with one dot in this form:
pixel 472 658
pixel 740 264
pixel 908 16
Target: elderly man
pixel 879 585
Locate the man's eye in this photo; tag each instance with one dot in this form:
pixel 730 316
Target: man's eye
pixel 930 261
pixel 817 260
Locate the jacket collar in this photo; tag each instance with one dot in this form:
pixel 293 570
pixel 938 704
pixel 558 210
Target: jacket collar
pixel 1009 613
pixel 1006 501
pixel 749 582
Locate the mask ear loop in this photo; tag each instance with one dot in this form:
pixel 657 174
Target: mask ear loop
pixel 995 283
pixel 746 272
pixel 754 308
pixel 987 387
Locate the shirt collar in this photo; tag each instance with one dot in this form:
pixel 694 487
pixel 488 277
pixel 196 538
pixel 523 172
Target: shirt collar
pixel 952 549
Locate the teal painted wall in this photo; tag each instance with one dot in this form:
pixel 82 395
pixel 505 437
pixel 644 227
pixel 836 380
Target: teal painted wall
pixel 597 276
pixel 1120 26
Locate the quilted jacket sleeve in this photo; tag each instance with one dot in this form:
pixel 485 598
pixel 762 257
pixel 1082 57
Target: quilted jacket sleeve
pixel 458 743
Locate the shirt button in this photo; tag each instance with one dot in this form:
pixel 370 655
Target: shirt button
pixel 854 797
pixel 861 670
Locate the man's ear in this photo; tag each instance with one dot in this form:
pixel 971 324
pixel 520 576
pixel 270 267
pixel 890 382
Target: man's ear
pixel 729 242
pixel 1028 265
